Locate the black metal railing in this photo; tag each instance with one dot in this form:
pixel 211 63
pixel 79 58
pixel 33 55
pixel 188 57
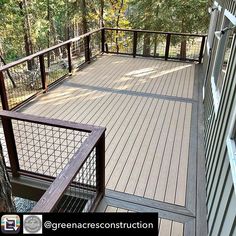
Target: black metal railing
pixel 69 155
pixel 166 45
pixel 22 80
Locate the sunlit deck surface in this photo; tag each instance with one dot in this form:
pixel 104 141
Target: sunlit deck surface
pixel 149 108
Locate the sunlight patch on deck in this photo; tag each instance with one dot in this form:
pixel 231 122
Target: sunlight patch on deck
pixel 147 137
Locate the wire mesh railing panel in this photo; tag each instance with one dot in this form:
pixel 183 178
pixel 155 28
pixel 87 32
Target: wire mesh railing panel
pixel 22 81
pixel 81 193
pixel 150 44
pixel 56 64
pixel 3 146
pixel 95 44
pixel 45 149
pixel 78 53
pixel 185 47
pixel 119 41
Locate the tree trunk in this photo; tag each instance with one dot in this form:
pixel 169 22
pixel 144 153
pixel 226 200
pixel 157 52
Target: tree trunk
pixel 183 46
pixel 49 30
pixel 8 72
pixel 84 17
pixel 146 45
pixel 183 49
pixel 67 25
pixel 6 200
pixel 101 23
pixel 27 31
pixel 155 47
pixel 117 25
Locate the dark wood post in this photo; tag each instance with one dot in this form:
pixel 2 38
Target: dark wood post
pixel 167 46
pixel 3 93
pixel 100 165
pixel 202 49
pixel 11 145
pixel 43 72
pixel 103 40
pixel 87 49
pixel 70 68
pixel 135 43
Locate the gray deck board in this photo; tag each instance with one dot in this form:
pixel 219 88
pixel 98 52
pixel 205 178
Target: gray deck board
pixel 147 138
pixel 146 106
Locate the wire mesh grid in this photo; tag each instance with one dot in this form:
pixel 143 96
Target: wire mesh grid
pixel 119 41
pixel 185 47
pixel 95 44
pixel 81 193
pixel 22 81
pixel 78 53
pixel 56 64
pixel 3 146
pixel 45 149
pixel 150 44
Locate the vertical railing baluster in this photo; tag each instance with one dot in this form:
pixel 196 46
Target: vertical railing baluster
pixel 135 37
pixel 103 40
pixel 202 49
pixel 87 49
pixel 11 145
pixel 5 105
pixel 167 46
pixel 43 72
pixel 70 68
pixel 100 165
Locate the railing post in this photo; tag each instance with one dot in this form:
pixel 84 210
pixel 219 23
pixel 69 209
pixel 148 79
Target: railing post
pixel 70 68
pixel 3 93
pixel 11 145
pixel 43 72
pixel 201 49
pixel 100 165
pixel 135 43
pixel 167 46
pixel 87 49
pixel 103 40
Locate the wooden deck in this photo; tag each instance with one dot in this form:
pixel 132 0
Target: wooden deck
pixel 166 227
pixel 149 108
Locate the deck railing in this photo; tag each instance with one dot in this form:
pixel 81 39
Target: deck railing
pixel 25 78
pixel 69 155
pixel 22 80
pixel 166 45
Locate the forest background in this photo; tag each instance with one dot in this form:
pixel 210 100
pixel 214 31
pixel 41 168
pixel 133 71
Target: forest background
pixel 28 26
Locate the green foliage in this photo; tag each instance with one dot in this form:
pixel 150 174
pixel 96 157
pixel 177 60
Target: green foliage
pixel 52 21
pixel 189 16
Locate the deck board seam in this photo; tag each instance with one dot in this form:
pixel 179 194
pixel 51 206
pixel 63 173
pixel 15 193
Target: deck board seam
pixel 132 93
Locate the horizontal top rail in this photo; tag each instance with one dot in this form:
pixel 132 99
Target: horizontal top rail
pixel 156 32
pixel 30 57
pixel 51 122
pixel 42 52
pixel 64 179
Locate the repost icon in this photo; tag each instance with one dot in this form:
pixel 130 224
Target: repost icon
pixel 10 224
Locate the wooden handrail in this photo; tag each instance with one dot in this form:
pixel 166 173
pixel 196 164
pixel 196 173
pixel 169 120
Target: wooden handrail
pixel 47 121
pixel 54 193
pixel 30 57
pixel 156 32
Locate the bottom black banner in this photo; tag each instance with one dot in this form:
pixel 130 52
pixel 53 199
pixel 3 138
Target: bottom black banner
pixel 82 223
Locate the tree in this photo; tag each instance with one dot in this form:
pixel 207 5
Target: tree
pixel 6 200
pixel 186 16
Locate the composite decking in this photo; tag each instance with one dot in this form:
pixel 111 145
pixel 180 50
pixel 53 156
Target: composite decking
pixel 166 227
pixel 149 108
